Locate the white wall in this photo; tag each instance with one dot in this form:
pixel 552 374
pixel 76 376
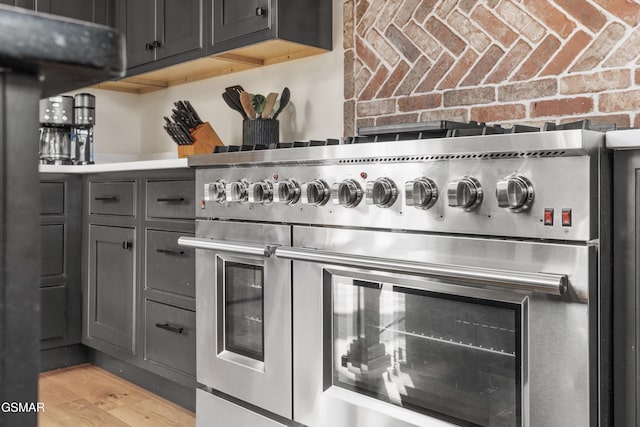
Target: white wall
pixel 132 124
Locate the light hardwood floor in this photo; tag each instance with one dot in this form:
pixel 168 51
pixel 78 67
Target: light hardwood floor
pixel 89 396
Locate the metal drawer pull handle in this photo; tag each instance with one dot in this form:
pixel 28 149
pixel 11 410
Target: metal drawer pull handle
pixel 261 11
pixel 170 199
pixel 224 246
pixel 168 327
pixel 107 198
pixel 127 245
pixel 548 283
pixel 175 252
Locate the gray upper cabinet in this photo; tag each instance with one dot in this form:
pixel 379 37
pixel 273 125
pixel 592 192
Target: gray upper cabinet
pixel 98 11
pixel 238 23
pixel 162 32
pixel 236 18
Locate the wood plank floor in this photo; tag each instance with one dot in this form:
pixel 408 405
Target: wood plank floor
pixel 88 396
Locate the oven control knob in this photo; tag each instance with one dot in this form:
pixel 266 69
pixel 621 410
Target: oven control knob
pixel 421 193
pixel 237 191
pixel 260 192
pixel 215 191
pixel 286 192
pixel 315 193
pixel 465 193
pixel 515 193
pixel 382 192
pixel 347 193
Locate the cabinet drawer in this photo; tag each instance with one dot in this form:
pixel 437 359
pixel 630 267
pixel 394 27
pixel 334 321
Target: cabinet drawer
pixel 52 255
pixel 112 198
pixel 171 199
pixel 170 267
pixel 53 311
pixel 52 198
pixel 170 337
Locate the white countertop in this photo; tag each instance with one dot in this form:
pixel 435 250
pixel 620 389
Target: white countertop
pixel 628 139
pixel 117 166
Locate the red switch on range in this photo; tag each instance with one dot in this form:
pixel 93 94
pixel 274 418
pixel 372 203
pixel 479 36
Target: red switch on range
pixel 566 217
pixel 548 216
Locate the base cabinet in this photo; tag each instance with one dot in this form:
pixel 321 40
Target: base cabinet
pixel 60 237
pixel 112 285
pixel 139 284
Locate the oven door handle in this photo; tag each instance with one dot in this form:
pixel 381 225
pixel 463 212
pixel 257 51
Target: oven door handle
pixel 227 246
pixel 548 283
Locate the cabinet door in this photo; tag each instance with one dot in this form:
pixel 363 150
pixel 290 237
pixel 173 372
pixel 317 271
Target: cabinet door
pixel 98 11
pixel 140 31
pixel 28 4
pixel 112 285
pixel 236 18
pixel 179 26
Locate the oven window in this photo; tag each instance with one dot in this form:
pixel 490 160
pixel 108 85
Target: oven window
pixel 243 309
pixel 452 357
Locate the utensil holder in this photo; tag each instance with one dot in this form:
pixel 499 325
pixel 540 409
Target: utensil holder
pixel 260 132
pixel 205 139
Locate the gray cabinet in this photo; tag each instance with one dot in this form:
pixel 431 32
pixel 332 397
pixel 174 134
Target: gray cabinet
pixel 97 11
pixel 239 23
pixel 162 32
pixel 140 286
pixel 28 4
pixel 60 292
pixel 112 285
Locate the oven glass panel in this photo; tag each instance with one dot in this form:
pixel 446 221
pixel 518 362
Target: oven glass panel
pixel 452 357
pixel 243 314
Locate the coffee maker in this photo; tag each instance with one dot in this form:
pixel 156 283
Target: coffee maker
pixel 56 119
pixel 84 117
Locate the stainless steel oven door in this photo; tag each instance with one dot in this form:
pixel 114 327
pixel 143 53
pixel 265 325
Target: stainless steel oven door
pixel 481 337
pixel 243 313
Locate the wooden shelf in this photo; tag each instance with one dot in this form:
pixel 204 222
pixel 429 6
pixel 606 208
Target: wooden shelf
pixel 258 55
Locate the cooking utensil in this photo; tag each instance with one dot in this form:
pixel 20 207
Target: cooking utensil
pixel 230 102
pixel 258 104
pixel 284 100
pixel 247 104
pixel 269 103
pixel 234 93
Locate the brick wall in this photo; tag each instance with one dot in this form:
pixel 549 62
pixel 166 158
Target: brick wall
pixel 495 61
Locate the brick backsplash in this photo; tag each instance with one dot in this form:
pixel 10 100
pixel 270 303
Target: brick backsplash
pixel 495 61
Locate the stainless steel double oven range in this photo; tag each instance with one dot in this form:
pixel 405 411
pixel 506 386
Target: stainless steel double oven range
pixel 454 281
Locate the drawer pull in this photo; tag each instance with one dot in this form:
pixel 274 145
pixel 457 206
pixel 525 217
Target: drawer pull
pixel 127 245
pixel 175 252
pixel 168 327
pixel 107 198
pixel 170 199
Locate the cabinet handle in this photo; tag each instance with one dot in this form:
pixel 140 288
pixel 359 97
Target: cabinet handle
pixel 148 46
pixel 261 11
pixel 107 198
pixel 169 328
pixel 156 44
pixel 170 199
pixel 175 252
pixel 127 244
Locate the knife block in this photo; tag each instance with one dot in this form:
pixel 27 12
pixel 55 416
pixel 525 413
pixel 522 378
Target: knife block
pixel 205 139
